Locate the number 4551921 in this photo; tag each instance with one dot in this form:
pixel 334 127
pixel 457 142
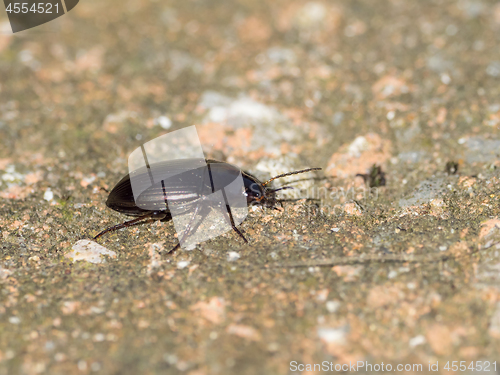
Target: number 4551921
pixel 35 8
pixel 473 366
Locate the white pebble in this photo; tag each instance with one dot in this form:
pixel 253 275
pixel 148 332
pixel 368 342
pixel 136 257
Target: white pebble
pixel 416 341
pixel 89 251
pixel 49 195
pixel 332 335
pixel 445 78
pixel 164 122
pixel 99 337
pixel 411 286
pixel 189 247
pixel 183 264
pixel 332 306
pixel 232 256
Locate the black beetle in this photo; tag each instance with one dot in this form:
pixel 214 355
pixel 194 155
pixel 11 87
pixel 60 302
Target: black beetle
pixel 185 195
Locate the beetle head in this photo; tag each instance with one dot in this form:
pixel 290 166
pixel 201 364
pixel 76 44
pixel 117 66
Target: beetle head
pixel 258 195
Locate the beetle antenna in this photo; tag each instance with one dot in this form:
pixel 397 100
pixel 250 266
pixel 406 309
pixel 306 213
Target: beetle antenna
pixel 282 188
pixel 289 174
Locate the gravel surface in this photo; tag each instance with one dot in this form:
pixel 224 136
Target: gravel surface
pixel 401 267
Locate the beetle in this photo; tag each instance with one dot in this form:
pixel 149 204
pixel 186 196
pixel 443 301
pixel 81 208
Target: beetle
pixel 185 191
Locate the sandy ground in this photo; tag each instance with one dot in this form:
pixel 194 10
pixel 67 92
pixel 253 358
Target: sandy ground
pixel 406 272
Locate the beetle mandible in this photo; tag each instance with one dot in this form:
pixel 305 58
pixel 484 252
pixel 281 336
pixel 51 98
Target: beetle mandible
pixel 185 195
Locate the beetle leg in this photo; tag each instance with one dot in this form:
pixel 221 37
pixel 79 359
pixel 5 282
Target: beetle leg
pixel 231 220
pixel 152 215
pixel 189 229
pixel 123 225
pixel 175 248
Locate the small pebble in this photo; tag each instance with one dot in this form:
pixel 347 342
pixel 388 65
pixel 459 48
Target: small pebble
pixel 232 256
pixel 189 247
pixel 333 335
pixel 416 341
pixel 164 122
pixel 183 264
pixel 98 337
pixel 49 195
pixel 332 306
pixel 89 251
pixel 392 274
